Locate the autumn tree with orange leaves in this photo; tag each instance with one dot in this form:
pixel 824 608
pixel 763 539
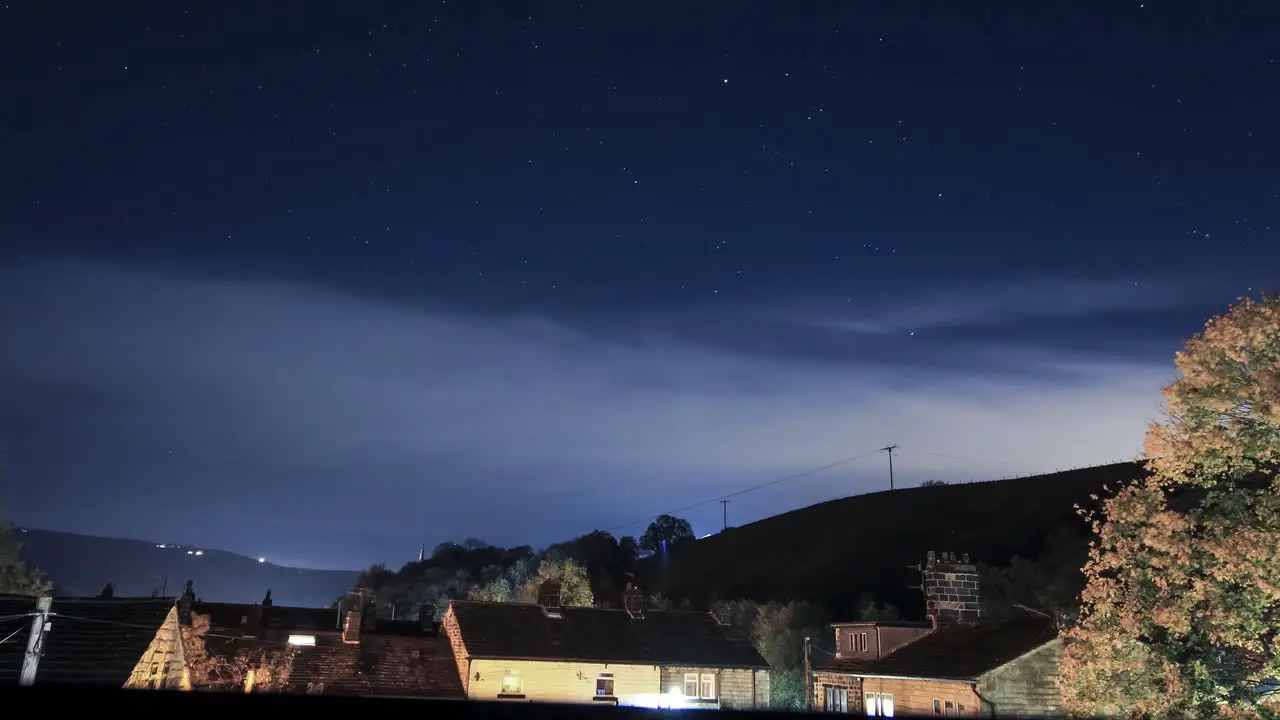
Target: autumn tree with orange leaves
pixel 1180 615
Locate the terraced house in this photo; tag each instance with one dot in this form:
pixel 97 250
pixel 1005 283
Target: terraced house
pixel 954 665
pixel 629 657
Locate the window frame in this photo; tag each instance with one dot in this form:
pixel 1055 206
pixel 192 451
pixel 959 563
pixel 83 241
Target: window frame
pixel 873 704
pixel 610 685
pixel 506 691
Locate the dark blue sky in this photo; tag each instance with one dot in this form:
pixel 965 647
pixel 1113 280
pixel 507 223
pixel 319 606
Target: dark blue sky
pixel 321 282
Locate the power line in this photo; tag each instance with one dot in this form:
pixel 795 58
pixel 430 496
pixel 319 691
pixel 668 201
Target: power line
pixel 753 488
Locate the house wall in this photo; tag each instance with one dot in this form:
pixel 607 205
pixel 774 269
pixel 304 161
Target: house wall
pixel 162 666
pixel 570 682
pixel 449 624
pixel 822 681
pixel 1026 687
pixel 915 697
pixel 736 688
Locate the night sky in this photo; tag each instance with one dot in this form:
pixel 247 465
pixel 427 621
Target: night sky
pixel 325 281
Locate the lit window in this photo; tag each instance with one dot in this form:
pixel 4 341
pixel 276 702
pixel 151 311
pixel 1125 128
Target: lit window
pixel 604 685
pixel 878 704
pixel 708 687
pixel 307 640
pixel 512 685
pixel 691 685
pixel 857 642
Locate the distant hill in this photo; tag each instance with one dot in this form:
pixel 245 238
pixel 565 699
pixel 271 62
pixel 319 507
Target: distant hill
pixel 84 564
pixel 835 551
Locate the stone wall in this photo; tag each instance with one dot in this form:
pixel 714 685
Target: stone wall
pixel 736 689
pixel 1026 687
pixel 822 681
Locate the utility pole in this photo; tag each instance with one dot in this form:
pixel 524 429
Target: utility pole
pixel 35 643
pixel 889 449
pixel 724 505
pixel 808 678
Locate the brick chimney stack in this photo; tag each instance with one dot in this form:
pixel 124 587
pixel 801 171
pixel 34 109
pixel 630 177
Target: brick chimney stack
pixel 355 618
pixel 951 591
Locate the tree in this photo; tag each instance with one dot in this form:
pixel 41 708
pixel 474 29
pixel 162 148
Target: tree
pixel 666 528
pixel 778 631
pixel 575 587
pixel 1180 613
pixel 16 578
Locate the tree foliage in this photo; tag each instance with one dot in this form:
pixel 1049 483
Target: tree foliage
pixel 665 528
pixel 1181 608
pixel 16 577
pixel 777 631
pixel 575 588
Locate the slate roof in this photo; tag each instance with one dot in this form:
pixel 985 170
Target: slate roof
pixel 961 652
pixel 403 662
pixel 511 630
pixel 90 640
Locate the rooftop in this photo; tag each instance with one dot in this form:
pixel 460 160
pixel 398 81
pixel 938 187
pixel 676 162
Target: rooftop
pixel 959 652
pixel 404 661
pixel 661 637
pixel 89 641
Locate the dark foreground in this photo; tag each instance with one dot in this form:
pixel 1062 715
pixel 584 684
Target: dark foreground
pixel 47 700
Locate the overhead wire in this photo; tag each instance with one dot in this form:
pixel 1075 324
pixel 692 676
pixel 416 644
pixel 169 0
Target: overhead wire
pixel 753 488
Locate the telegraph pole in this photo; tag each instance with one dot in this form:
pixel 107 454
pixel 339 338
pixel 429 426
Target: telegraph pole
pixel 808 678
pixel 35 642
pixel 724 506
pixel 889 449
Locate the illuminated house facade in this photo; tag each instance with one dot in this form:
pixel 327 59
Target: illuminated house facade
pixel 629 657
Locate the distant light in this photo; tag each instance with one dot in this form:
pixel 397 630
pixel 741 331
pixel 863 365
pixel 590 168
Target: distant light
pixel 191 552
pixel 161 545
pixel 307 640
pixel 262 559
pixel 199 552
pixel 704 537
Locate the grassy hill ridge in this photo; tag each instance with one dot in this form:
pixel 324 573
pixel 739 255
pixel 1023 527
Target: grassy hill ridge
pixel 836 551
pixel 82 565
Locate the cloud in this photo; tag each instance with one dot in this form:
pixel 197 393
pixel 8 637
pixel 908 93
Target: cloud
pixel 283 417
pixel 988 305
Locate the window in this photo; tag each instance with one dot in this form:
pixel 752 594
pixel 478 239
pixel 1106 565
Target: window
pixel 708 687
pixel 858 642
pixel 878 704
pixel 604 685
pixel 164 677
pixel 937 707
pixel 512 687
pixel 700 686
pixel 837 700
pixel 950 709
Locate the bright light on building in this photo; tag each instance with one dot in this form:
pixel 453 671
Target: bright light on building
pixel 262 559
pixel 306 640
pixel 199 552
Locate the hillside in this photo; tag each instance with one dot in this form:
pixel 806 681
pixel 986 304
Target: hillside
pixel 834 552
pixel 83 565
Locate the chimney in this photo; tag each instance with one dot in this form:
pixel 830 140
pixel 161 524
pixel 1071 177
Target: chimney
pixel 549 594
pixel 108 592
pixel 634 601
pixel 950 586
pixel 355 620
pixel 185 602
pixel 266 601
